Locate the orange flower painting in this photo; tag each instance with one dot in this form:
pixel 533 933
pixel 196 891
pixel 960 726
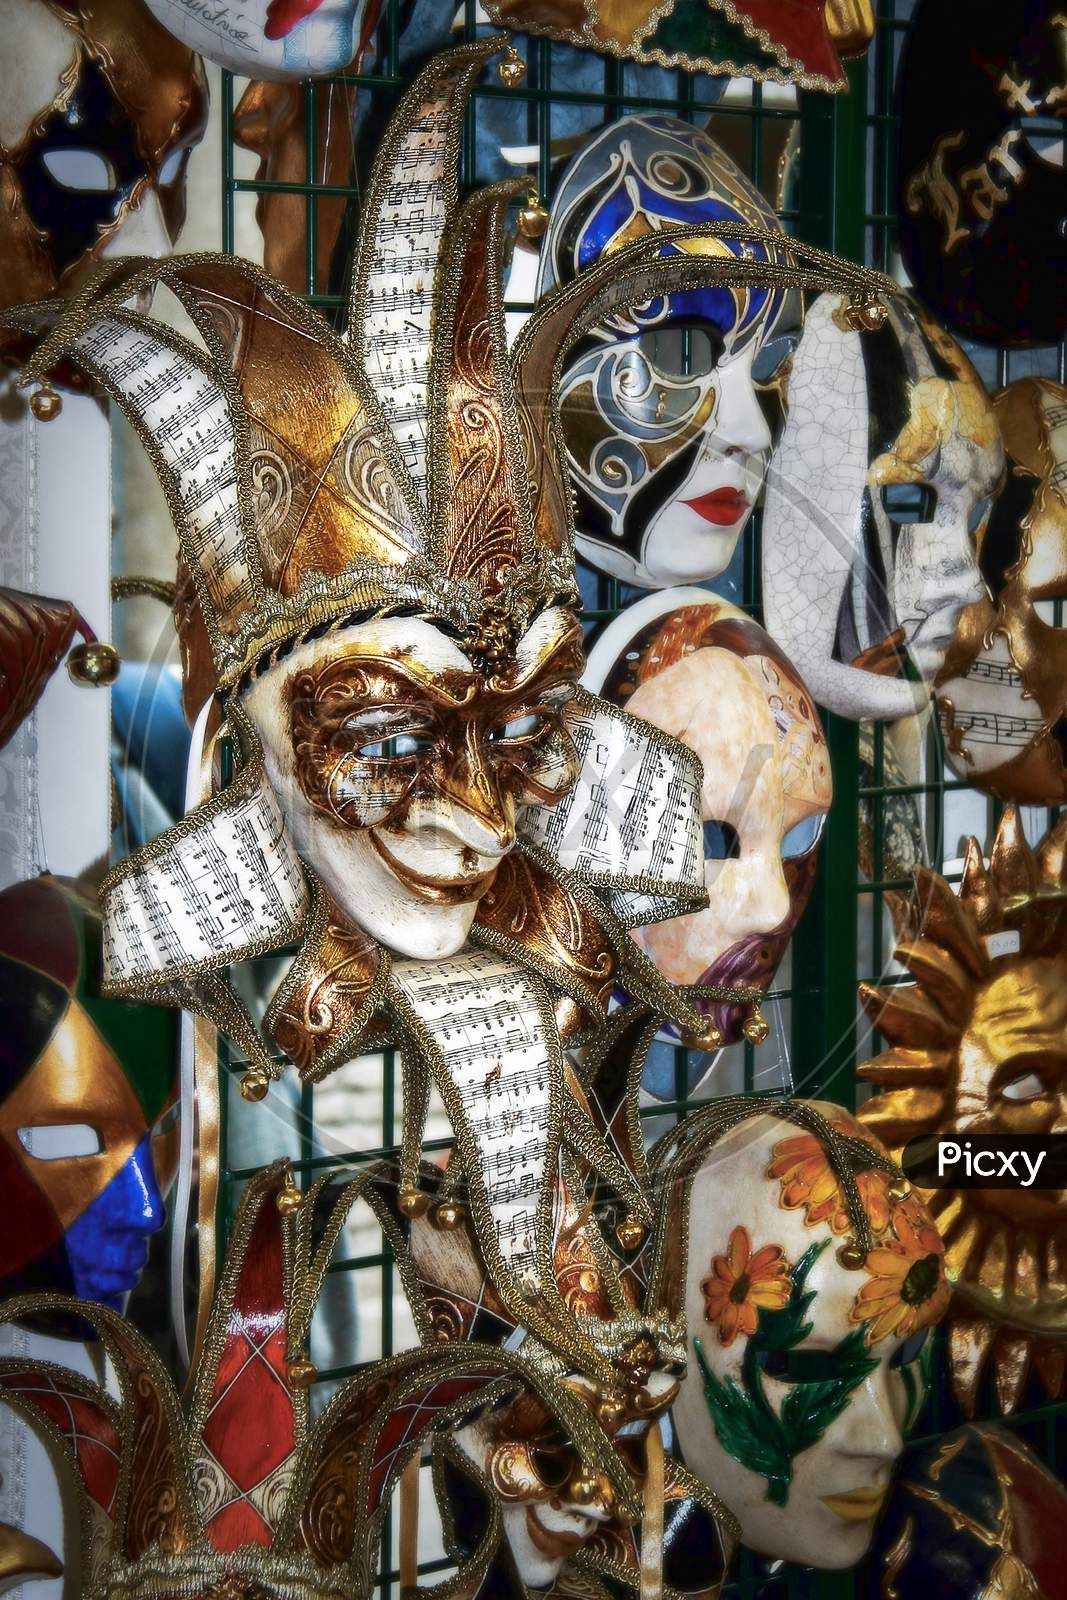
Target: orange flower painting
pixel 741 1281
pixel 907 1289
pixel 803 1169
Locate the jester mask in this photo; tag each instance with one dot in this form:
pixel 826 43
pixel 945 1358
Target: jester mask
pixel 379 580
pixel 877 501
pixel 811 1275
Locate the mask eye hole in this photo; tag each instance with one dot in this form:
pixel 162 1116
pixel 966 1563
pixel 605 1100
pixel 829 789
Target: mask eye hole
pixel 521 728
pixel 81 171
pixel 910 1350
pixel 61 1141
pixel 1027 1086
pixel 772 356
pixel 683 349
pixel 385 735
pixel 980 514
pixel 172 165
pixel 397 747
pixel 167 1121
pixel 799 1366
pixel 553 1467
pixel 904 503
pixel 1044 137
pixel 721 842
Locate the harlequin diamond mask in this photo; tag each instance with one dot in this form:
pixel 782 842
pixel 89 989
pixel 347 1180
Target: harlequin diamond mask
pixel 810 1284
pixel 99 108
pixel 665 426
pixel 273 39
pixel 767 784
pixel 878 492
pixel 1002 694
pixel 979 1045
pixel 87 1135
pixel 983 192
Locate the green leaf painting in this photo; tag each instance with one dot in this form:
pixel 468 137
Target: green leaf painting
pixel 746 1424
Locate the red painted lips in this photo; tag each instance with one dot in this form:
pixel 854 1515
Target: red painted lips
pixel 722 506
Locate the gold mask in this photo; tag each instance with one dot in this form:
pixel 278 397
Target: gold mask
pixel 979 1045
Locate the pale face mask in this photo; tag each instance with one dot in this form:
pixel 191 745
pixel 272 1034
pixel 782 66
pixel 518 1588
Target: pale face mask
pixel 1002 696
pixel 662 412
pixel 767 782
pixel 402 772
pixel 877 497
pixel 804 1374
pixel 273 39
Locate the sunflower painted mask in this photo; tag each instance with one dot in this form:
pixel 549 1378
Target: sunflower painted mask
pixel 876 499
pixel 806 1313
pixel 87 1116
pixel 1002 695
pixel 767 782
pixel 666 429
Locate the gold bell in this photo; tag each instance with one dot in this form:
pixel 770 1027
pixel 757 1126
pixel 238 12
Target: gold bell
pixel 93 662
pixel 254 1084
pixel 899 1188
pixel 630 1233
pixel 288 1199
pixel 756 1028
pixel 851 1255
pixel 866 314
pixel 447 1216
pixel 45 403
pixel 583 1487
pixel 301 1373
pixel 512 68
pixel 611 1410
pixel 413 1202
pixel 711 1039
pixel 533 218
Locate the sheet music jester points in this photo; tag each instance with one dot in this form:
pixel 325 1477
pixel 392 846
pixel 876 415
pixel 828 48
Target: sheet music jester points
pixel 457 838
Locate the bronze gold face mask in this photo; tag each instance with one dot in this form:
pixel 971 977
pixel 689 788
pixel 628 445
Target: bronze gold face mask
pixel 979 1046
pixel 1002 697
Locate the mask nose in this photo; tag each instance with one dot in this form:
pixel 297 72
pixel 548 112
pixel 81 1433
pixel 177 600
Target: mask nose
pixel 953 584
pixel 740 424
pixel 479 811
pixel 151 1211
pixel 873 1429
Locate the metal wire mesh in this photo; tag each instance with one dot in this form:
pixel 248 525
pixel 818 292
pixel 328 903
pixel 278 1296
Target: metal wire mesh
pixel 844 202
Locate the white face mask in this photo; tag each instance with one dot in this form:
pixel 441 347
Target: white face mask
pixel 870 553
pixel 402 798
pixel 272 39
pixel 804 1375
pixel 767 785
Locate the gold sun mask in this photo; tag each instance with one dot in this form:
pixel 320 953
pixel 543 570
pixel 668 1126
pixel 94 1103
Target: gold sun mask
pixel 979 1045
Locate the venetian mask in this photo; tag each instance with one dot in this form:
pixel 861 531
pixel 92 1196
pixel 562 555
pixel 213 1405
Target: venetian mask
pixel 666 429
pixel 87 1119
pixel 880 489
pixel 804 1350
pixel 983 194
pixel 974 1515
pixel 980 1046
pixel 402 766
pixel 767 782
pixel 99 109
pixel 1002 695
pixel 273 39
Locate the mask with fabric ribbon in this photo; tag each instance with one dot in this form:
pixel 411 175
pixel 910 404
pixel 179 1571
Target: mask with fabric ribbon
pixel 380 583
pixel 237 1494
